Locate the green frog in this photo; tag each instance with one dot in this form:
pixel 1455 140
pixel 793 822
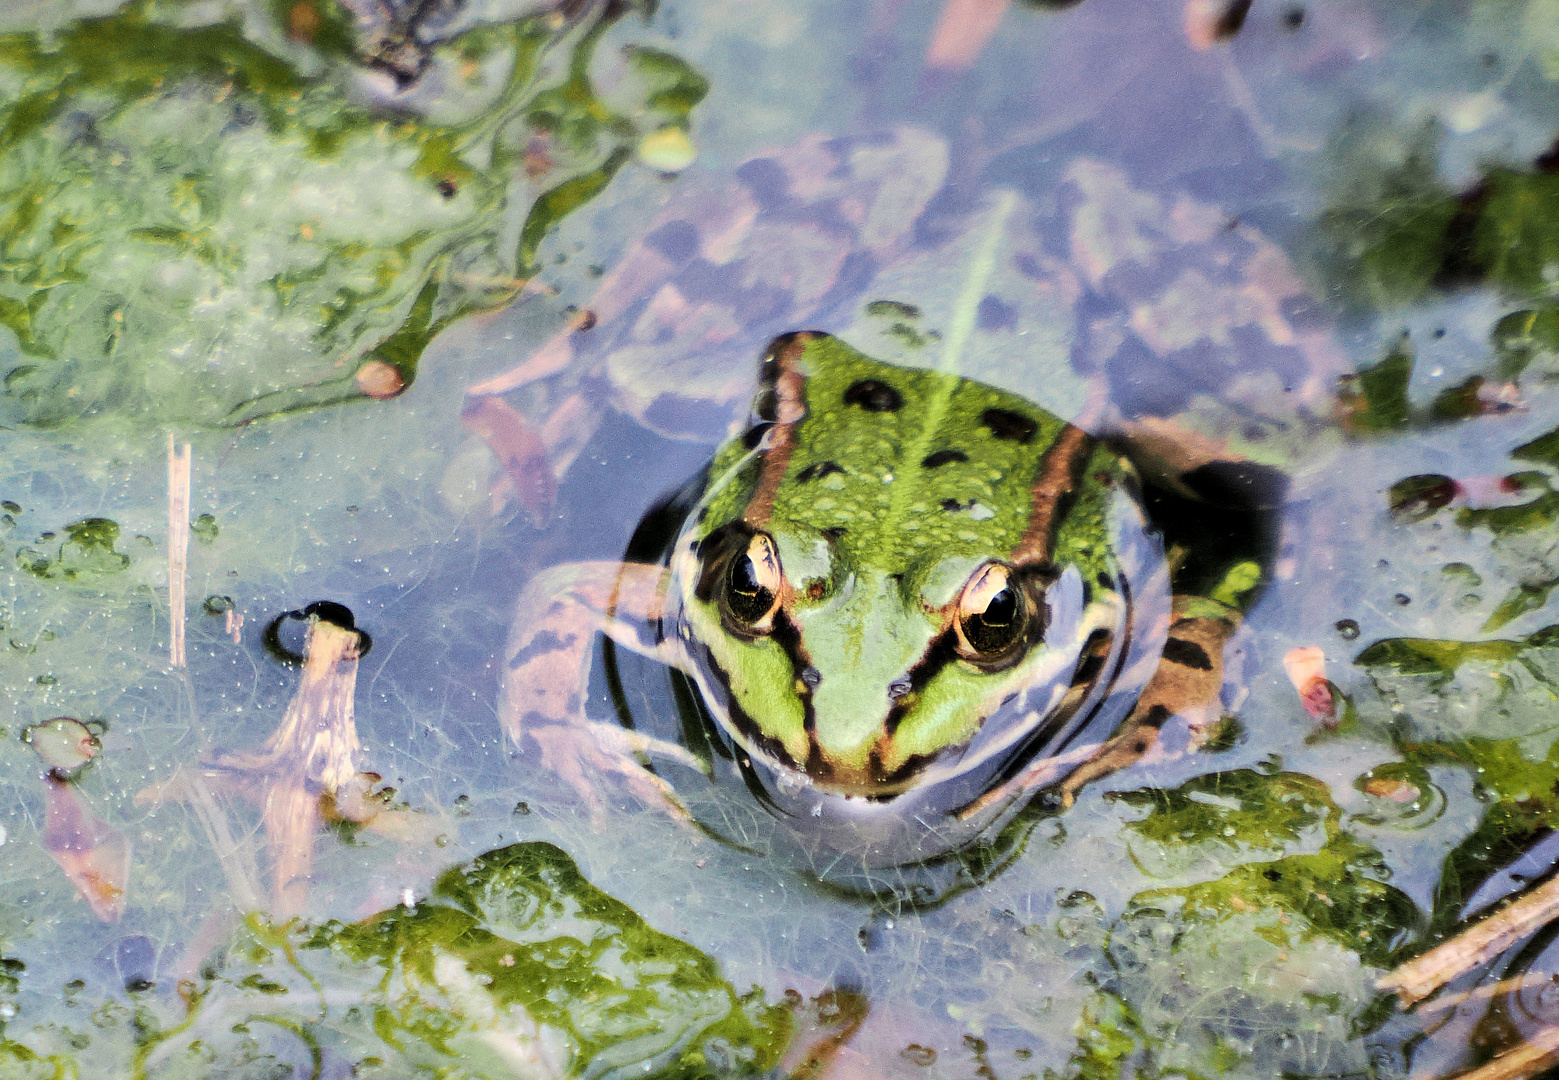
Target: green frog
pixel 909 603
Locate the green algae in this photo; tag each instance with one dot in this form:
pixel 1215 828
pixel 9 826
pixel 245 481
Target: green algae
pixel 1485 707
pixel 1264 822
pixel 514 963
pixel 211 223
pixel 87 551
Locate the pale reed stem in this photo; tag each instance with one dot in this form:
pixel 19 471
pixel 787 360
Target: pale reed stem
pixel 178 546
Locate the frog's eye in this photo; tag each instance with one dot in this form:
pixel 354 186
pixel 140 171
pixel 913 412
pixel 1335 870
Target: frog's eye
pixel 751 594
pixel 996 618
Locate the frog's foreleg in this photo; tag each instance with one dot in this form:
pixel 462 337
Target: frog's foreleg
pixel 1186 684
pixel 547 673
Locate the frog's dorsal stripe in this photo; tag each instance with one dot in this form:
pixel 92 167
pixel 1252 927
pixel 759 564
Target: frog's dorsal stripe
pixel 784 386
pixel 1055 484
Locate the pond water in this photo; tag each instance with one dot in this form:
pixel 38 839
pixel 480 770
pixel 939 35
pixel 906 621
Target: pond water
pixel 347 343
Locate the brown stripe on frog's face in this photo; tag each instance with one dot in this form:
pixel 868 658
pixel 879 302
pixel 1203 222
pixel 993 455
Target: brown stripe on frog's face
pixel 871 581
pixel 782 402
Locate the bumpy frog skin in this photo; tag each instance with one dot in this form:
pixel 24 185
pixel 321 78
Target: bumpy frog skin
pixel 909 600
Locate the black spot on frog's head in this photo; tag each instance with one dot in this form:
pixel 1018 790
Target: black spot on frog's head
pixel 943 457
pixel 818 470
pixel 1006 424
pixel 874 396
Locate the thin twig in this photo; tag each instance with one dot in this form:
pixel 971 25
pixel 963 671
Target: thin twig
pixel 1520 1062
pixel 1423 975
pixel 178 546
pixel 1487 992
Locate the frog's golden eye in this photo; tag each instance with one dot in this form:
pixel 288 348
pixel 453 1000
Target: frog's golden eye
pixel 996 618
pixel 753 582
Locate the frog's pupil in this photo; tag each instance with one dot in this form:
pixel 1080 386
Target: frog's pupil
pixel 1000 610
pixel 993 629
pixel 746 577
pixel 748 599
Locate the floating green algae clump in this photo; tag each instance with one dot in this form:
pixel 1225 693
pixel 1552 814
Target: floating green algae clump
pixel 1486 707
pixel 515 965
pixel 211 213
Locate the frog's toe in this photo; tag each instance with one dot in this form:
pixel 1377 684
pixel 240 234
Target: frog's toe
pixel 652 790
pixel 568 757
pixel 583 756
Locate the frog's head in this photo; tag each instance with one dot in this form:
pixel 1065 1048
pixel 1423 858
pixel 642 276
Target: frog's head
pixel 892 558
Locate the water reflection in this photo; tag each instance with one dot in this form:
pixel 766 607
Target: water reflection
pixel 1194 220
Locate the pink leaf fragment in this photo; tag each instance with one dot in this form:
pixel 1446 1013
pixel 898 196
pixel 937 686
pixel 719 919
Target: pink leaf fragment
pixel 1306 668
pixel 962 31
pixel 95 858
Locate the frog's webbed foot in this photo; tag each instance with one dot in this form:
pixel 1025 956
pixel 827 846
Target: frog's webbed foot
pixel 548 669
pixel 583 752
pixel 1186 684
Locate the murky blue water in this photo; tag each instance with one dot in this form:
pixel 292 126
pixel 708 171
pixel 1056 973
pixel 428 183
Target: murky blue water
pixel 1098 206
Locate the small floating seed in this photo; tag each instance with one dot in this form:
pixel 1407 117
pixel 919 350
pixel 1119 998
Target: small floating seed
pixel 380 380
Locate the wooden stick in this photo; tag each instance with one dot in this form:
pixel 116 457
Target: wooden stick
pixel 1423 975
pixel 1486 992
pixel 178 546
pixel 1520 1062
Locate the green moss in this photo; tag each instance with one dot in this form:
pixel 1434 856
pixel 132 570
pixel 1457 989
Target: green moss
pixel 207 224
pixel 1502 737
pixel 1338 892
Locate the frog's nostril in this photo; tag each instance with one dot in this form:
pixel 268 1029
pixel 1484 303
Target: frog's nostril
pixel 900 687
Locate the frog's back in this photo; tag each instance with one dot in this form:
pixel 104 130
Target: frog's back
pixel 909 464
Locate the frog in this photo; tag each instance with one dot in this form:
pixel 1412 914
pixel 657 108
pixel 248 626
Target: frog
pixel 909 601
pixel 1180 337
